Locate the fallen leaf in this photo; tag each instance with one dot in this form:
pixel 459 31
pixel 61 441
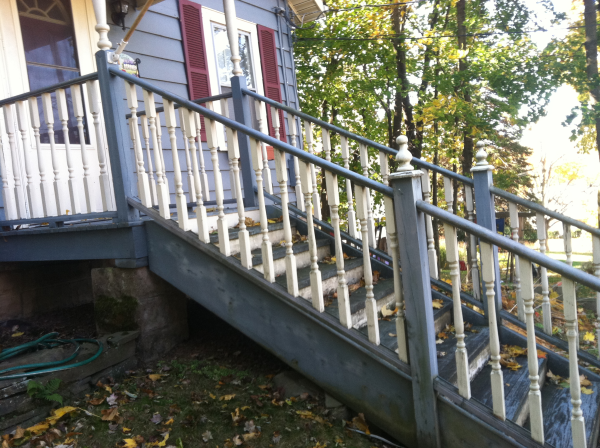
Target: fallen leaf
pixel 437 303
pixel 212 396
pixel 588 337
pixel 541 354
pixel 237 440
pixel 130 443
pixel 385 312
pixel 276 437
pixel 206 436
pixel 584 381
pixel 39 428
pixel 169 422
pixel 162 443
pixel 17 334
pixel 249 426
pixel 96 401
pixel 360 423
pixel 112 400
pixel 126 429
pixel 155 376
pixel 110 414
pixel 439 341
pixel 250 436
pixel 392 335
pixel 226 397
pixel 587 391
pixel 156 418
pixel 19 432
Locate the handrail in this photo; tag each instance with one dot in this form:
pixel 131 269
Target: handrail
pixel 285 147
pixel 49 89
pixel 419 162
pixel 221 96
pixel 508 244
pixel 541 209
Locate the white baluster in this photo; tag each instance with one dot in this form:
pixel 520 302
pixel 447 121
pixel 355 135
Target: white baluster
pixel 203 175
pixel 316 199
pixel 266 246
pixel 596 265
pixel 180 199
pixel 45 183
pixel 95 109
pixel 188 161
pixel 142 178
pixel 33 191
pixel 294 137
pixel 7 194
pixel 212 140
pixel 151 178
pixel 201 218
pixel 384 167
pixel 473 240
pixel 361 195
pixel 535 397
pixel 462 358
pixel 567 241
pixel 163 194
pixel 162 155
pixel 487 273
pixel 514 227
pixel 63 115
pixel 262 126
pixel 282 178
pixel 290 259
pixel 78 110
pixel 365 164
pixel 431 254
pixel 546 310
pixel 343 297
pixel 60 193
pixel 225 112
pixel 326 143
pixel 351 215
pixel 571 324
pixel 316 285
pixel 9 122
pixel 392 235
pixel 449 193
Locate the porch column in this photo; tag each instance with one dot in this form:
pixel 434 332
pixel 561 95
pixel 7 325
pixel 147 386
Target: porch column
pixel 241 106
pixel 101 25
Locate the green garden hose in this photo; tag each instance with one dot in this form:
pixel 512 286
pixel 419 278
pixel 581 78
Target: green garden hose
pixel 46 342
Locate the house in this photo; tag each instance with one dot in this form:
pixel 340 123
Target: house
pixel 118 187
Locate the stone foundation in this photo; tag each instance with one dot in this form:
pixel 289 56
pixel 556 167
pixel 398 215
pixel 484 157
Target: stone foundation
pixel 137 299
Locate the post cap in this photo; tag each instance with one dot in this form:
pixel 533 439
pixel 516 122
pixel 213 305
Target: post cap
pixel 404 156
pixel 481 158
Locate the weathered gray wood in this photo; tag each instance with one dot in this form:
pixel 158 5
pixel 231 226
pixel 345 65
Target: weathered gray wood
pixel 417 295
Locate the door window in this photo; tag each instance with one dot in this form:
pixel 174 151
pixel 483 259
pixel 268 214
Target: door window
pixel 51 56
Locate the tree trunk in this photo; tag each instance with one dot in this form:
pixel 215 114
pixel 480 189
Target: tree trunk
pixel 591 68
pixel 467 156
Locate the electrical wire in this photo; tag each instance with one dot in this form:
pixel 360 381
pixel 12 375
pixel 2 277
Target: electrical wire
pixel 47 341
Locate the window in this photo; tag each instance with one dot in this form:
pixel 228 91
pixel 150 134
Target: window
pixel 50 54
pixel 223 55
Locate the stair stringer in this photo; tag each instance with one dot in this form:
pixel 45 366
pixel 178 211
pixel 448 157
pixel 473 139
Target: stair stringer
pixel 367 378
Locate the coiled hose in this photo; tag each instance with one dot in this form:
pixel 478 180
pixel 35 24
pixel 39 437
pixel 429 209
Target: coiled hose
pixel 46 342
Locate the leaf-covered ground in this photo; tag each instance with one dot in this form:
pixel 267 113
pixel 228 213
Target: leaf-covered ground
pixel 215 390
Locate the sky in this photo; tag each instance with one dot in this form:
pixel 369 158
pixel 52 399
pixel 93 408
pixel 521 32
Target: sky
pixel 548 137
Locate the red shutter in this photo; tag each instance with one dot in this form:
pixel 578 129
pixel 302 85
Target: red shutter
pixel 270 72
pixel 194 48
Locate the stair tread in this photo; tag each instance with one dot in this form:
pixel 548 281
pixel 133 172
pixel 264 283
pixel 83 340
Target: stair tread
pixel 516 386
pixel 556 409
pixel 475 343
pixel 279 251
pixel 234 231
pixel 327 271
pixel 381 290
pixel 387 328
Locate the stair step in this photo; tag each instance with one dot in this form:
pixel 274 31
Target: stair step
pixel 354 272
pixel 384 295
pixel 478 349
pixel 516 388
pixel 276 234
pixel 556 408
pixel 301 253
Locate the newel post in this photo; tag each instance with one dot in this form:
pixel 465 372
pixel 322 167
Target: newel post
pixel 483 177
pixel 122 168
pixel 412 238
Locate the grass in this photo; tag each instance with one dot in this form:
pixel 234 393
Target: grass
pixel 216 390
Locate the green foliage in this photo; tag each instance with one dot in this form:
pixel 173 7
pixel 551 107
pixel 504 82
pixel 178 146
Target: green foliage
pixel 47 391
